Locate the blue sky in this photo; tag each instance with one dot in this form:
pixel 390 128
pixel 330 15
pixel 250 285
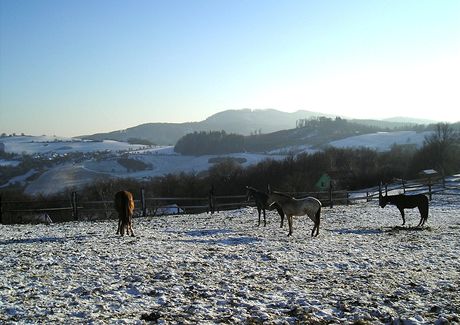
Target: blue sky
pixel 79 67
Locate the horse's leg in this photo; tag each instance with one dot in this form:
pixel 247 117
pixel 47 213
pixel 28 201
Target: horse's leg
pixel 281 213
pixel 315 227
pixel 402 215
pixel 131 226
pixel 289 217
pixel 423 214
pixel 318 217
pixel 265 220
pixel 125 226
pixel 259 210
pixel 317 222
pixel 119 225
pixel 420 209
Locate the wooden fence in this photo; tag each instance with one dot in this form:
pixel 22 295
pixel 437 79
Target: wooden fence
pixel 76 209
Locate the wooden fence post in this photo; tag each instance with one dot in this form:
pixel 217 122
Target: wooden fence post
pixel 74 202
pixel 1 216
pixel 429 189
pixel 144 208
pixel 330 195
pixel 211 199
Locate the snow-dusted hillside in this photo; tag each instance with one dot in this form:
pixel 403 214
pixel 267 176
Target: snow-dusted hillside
pixel 162 159
pixel 71 175
pixel 222 268
pixel 382 141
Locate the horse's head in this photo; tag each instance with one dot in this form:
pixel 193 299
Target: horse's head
pixel 383 201
pixel 275 197
pixel 249 193
pixel 270 200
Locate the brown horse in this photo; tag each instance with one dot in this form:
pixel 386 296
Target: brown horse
pixel 124 204
pixel 260 198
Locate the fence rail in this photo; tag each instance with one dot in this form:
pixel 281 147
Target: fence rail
pixel 76 209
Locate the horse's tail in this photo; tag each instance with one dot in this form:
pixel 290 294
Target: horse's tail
pixel 427 207
pixel 318 214
pixel 125 213
pixel 127 209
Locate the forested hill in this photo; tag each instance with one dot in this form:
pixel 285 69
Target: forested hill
pixel 244 122
pixel 313 132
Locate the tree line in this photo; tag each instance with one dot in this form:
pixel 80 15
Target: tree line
pixel 318 131
pixel 212 142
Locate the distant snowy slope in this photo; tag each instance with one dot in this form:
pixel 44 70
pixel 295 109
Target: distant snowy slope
pixel 6 163
pixel 44 144
pixel 21 179
pixel 62 177
pixel 382 141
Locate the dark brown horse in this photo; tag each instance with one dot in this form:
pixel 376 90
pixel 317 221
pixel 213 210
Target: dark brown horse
pixel 403 201
pixel 124 204
pixel 260 198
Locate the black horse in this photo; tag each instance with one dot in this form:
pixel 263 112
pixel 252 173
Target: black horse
pixel 407 202
pixel 260 199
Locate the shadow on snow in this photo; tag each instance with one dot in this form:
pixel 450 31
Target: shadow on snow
pixel 208 232
pixel 41 240
pixel 361 231
pixel 231 241
pixel 370 231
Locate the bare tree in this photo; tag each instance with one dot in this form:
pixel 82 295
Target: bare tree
pixel 442 144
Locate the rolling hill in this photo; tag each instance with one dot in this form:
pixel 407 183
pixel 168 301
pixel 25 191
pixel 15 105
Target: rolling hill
pixel 243 122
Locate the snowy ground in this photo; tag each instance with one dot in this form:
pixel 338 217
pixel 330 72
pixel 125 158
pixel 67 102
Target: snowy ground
pixel 222 268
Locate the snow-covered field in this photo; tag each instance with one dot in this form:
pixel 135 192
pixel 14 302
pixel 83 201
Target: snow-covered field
pixel 382 141
pixel 222 268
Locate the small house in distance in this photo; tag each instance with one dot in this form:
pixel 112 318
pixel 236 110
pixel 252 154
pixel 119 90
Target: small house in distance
pixel 323 182
pixel 429 175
